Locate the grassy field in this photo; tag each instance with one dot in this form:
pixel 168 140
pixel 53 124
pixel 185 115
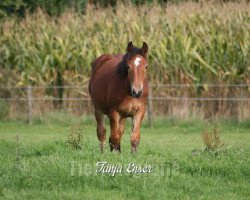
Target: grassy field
pixel 38 163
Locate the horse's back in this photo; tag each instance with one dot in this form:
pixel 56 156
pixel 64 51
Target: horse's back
pixel 103 59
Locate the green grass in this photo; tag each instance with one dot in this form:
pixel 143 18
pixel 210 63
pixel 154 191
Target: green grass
pixel 41 165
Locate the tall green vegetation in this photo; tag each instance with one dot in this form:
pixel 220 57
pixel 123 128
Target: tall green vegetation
pixel 189 43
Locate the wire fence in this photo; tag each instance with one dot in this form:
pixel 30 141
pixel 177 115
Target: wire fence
pixel 181 100
pixel 217 98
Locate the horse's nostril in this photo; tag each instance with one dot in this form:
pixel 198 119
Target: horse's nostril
pixel 136 93
pixel 133 91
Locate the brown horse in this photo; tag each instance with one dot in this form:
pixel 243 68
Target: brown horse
pixel 118 88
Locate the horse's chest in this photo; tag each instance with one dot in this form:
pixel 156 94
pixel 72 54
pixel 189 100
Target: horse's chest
pixel 129 107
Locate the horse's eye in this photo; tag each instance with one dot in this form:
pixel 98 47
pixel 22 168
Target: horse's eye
pixel 146 67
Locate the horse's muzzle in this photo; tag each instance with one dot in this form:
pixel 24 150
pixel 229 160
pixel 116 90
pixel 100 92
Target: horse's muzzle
pixel 136 93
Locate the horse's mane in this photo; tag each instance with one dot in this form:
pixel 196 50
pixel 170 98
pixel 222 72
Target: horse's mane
pixel 123 65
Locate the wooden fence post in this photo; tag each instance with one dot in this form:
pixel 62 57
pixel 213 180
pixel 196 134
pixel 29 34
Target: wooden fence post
pixel 29 98
pixel 150 107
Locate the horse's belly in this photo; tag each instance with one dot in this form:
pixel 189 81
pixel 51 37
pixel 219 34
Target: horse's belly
pixel 98 94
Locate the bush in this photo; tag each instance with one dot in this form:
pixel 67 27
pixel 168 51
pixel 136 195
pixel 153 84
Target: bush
pixel 57 7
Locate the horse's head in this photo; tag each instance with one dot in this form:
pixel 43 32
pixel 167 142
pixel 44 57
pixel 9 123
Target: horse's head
pixel 137 67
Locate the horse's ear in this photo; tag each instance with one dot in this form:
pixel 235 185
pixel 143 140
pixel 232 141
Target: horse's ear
pixel 144 48
pixel 130 47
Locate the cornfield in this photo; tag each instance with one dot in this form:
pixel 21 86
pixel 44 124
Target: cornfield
pixel 189 43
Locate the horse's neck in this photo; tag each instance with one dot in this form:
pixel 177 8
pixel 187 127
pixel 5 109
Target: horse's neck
pixel 122 69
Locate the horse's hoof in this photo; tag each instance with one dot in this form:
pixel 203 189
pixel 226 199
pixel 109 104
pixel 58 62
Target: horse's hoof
pixel 115 148
pixel 133 150
pixel 117 151
pixel 102 146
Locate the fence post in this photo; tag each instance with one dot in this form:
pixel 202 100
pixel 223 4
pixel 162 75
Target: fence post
pixel 29 98
pixel 150 107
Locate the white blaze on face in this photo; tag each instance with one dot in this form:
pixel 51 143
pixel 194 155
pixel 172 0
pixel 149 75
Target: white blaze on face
pixel 137 61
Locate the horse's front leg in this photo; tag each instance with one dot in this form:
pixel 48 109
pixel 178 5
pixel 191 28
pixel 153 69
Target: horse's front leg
pixel 114 139
pixel 135 136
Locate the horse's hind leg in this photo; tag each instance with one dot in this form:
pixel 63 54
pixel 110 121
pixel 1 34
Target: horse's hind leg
pixel 101 131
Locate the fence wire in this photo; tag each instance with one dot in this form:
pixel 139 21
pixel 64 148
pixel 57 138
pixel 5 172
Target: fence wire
pixel 175 98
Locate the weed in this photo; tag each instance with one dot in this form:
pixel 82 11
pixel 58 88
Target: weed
pixel 212 141
pixel 75 137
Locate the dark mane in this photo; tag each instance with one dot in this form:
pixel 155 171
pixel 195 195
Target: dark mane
pixel 123 66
